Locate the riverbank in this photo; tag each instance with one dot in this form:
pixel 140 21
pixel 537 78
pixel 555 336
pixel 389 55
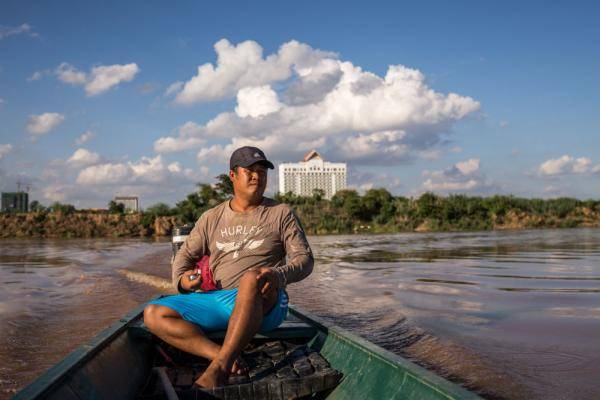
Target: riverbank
pixel 335 222
pixel 83 225
pixel 347 212
pixel 316 221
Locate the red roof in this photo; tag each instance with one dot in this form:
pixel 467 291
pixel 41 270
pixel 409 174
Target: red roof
pixel 310 155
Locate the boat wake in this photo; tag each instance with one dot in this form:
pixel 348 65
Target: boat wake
pixel 148 279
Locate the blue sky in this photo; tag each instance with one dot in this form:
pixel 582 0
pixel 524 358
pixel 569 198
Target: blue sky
pixel 452 97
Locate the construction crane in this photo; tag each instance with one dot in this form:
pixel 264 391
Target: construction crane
pixel 27 186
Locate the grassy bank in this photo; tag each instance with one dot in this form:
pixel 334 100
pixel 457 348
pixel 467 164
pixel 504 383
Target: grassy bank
pixel 377 211
pixel 82 224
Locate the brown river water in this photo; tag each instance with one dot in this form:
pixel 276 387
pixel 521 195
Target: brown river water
pixel 511 315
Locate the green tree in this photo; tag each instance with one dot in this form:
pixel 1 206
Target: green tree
pixel 427 205
pixel 224 186
pixel 377 203
pixel 36 206
pixel 318 195
pixel 562 206
pixel 62 208
pixel 116 208
pixel 453 207
pixel 209 195
pixel 190 209
pixel 159 210
pixel 403 206
pixel 349 201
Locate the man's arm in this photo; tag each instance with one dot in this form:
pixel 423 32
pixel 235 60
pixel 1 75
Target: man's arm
pixel 300 259
pixel 192 250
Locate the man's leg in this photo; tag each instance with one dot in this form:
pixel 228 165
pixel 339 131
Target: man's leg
pixel 168 325
pixel 246 319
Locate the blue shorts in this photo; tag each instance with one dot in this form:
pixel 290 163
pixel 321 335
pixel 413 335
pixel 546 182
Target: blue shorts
pixel 212 310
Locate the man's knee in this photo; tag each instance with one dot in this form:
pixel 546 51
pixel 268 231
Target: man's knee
pixel 248 281
pixel 153 315
pixel 150 315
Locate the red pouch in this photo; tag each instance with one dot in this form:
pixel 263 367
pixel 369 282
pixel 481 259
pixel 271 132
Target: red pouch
pixel 208 282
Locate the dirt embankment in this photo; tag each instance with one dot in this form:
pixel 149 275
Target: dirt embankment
pixel 582 217
pixel 85 224
pixel 77 224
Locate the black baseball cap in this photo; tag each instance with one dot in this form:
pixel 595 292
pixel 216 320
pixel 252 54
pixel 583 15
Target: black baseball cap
pixel 248 155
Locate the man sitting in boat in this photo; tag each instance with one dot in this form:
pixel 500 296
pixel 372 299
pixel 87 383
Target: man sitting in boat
pixel 247 239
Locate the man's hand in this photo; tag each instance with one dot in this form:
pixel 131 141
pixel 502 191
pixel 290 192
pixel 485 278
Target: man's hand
pixel 188 285
pixel 267 280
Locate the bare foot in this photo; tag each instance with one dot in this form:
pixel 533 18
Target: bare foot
pixel 239 367
pixel 214 376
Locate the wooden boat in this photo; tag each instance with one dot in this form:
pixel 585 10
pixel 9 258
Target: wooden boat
pixel 126 362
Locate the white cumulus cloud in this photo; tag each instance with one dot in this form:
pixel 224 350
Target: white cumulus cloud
pixel 372 148
pixel 169 144
pixel 69 74
pixel 104 77
pixel 430 185
pixel 189 137
pixel 464 176
pixel 104 174
pixel 83 157
pixel 349 113
pixel 23 29
pixel 56 192
pixel 99 79
pixel 567 165
pixel 36 76
pixel 174 167
pixel 243 65
pixel 5 149
pixel 84 137
pixel 38 125
pixel 257 101
pixel 468 167
pixel 145 171
pixel 361 181
pixel 173 88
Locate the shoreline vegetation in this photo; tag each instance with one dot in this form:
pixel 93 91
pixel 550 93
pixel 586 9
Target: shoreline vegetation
pixel 377 211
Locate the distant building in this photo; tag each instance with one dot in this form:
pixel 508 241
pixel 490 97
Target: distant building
pixel 15 202
pixel 313 172
pixel 129 202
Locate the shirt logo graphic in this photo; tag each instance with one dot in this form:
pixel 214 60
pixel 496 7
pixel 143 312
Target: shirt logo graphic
pixel 237 246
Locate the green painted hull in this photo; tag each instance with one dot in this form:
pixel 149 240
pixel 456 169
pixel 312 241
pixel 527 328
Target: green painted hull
pixel 117 363
pixel 371 372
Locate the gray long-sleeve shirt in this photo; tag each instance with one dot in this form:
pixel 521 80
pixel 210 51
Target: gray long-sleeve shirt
pixel 237 241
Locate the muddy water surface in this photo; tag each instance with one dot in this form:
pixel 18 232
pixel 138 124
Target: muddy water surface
pixel 510 314
pixel 56 294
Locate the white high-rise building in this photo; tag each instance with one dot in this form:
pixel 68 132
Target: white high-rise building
pixel 130 203
pixel 313 172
